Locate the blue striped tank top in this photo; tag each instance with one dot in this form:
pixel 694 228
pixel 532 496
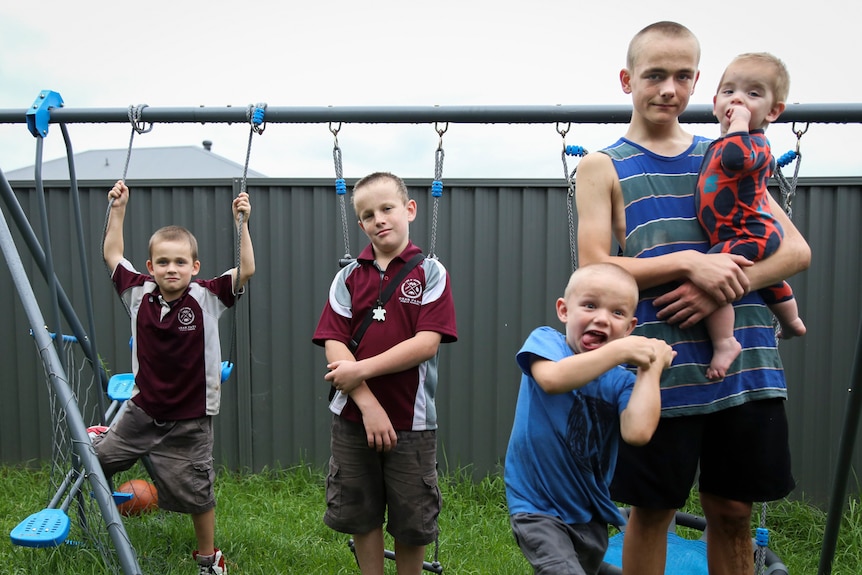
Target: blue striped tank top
pixel 658 193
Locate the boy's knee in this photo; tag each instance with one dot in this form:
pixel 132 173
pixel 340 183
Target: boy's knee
pixel 727 515
pixel 649 519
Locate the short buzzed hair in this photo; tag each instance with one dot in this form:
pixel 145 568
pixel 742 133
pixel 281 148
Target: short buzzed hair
pixel 376 176
pixel 173 234
pixel 623 280
pixel 665 28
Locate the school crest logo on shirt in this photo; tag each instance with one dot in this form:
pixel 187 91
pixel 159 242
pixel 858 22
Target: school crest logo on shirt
pixel 186 316
pixel 411 289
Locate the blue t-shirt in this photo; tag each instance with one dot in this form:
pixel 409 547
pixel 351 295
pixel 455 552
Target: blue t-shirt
pixel 563 447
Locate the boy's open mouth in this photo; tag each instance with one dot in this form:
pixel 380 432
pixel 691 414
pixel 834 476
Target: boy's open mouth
pixel 592 339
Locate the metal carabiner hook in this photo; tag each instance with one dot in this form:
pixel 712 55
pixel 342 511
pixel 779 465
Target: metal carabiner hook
pixel 334 132
pixel 799 134
pixel 565 131
pixel 440 132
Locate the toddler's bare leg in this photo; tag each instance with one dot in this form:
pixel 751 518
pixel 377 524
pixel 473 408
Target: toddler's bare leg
pixel 787 314
pixel 725 348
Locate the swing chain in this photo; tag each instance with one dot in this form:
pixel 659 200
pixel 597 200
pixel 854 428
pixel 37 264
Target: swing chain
pixel 138 127
pixel 340 188
pixel 569 176
pixel 762 541
pixel 255 115
pixel 570 182
pixel 336 155
pixel 799 133
pixel 787 188
pixel 440 132
pixel 437 186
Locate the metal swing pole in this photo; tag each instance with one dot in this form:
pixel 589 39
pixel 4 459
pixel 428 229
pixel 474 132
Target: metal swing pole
pixel 92 351
pixel 841 113
pixel 29 236
pixel 81 444
pixel 842 470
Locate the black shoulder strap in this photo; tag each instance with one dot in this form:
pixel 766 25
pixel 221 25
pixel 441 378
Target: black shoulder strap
pixel 384 297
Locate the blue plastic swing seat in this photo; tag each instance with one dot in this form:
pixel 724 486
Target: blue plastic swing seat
pixel 47 528
pixel 226 369
pixel 684 556
pixel 121 497
pixel 120 386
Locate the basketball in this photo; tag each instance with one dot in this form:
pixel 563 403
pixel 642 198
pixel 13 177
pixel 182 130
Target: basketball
pixel 145 497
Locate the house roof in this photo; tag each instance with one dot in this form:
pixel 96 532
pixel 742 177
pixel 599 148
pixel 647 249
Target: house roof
pixel 171 162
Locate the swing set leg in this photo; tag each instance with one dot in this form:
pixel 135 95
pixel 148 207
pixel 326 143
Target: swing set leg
pixel 431 567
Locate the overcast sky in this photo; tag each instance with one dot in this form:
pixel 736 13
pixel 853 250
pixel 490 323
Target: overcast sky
pixel 110 54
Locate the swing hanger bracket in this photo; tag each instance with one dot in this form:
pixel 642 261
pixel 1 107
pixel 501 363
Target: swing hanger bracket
pixel 255 114
pixel 334 131
pixel 799 133
pixel 440 131
pixel 563 131
pixel 139 125
pixel 39 114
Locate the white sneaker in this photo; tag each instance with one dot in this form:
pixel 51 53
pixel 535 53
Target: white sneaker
pixel 211 564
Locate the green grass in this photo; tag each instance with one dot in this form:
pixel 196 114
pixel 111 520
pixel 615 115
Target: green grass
pixel 270 523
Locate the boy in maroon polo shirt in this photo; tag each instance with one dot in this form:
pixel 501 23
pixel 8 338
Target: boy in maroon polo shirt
pixel 176 359
pixel 384 444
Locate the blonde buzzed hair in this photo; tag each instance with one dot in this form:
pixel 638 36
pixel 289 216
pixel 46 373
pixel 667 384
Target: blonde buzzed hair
pixel 779 81
pixel 665 28
pixel 174 234
pixel 622 280
pixel 377 176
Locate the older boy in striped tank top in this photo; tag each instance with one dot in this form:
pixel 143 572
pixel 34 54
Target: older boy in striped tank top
pixel 640 192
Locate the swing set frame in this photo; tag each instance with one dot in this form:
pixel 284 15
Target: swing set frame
pixel 49 109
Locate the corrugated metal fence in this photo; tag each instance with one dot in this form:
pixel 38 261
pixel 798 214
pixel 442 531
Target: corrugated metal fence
pixel 506 245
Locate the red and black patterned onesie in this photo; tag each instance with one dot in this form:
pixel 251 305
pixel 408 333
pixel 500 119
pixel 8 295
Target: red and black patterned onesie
pixel 733 202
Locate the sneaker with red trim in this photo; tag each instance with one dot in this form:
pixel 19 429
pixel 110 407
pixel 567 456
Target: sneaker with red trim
pixel 211 564
pixel 96 431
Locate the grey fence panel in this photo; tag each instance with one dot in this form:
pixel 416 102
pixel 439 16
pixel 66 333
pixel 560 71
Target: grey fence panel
pixel 506 245
pixel 819 365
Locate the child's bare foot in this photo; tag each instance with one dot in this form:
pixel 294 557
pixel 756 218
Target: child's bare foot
pixel 724 351
pixel 793 329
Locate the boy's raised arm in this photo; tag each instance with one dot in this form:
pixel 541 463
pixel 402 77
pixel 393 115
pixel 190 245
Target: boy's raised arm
pixel 579 369
pixel 114 245
pixel 242 204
